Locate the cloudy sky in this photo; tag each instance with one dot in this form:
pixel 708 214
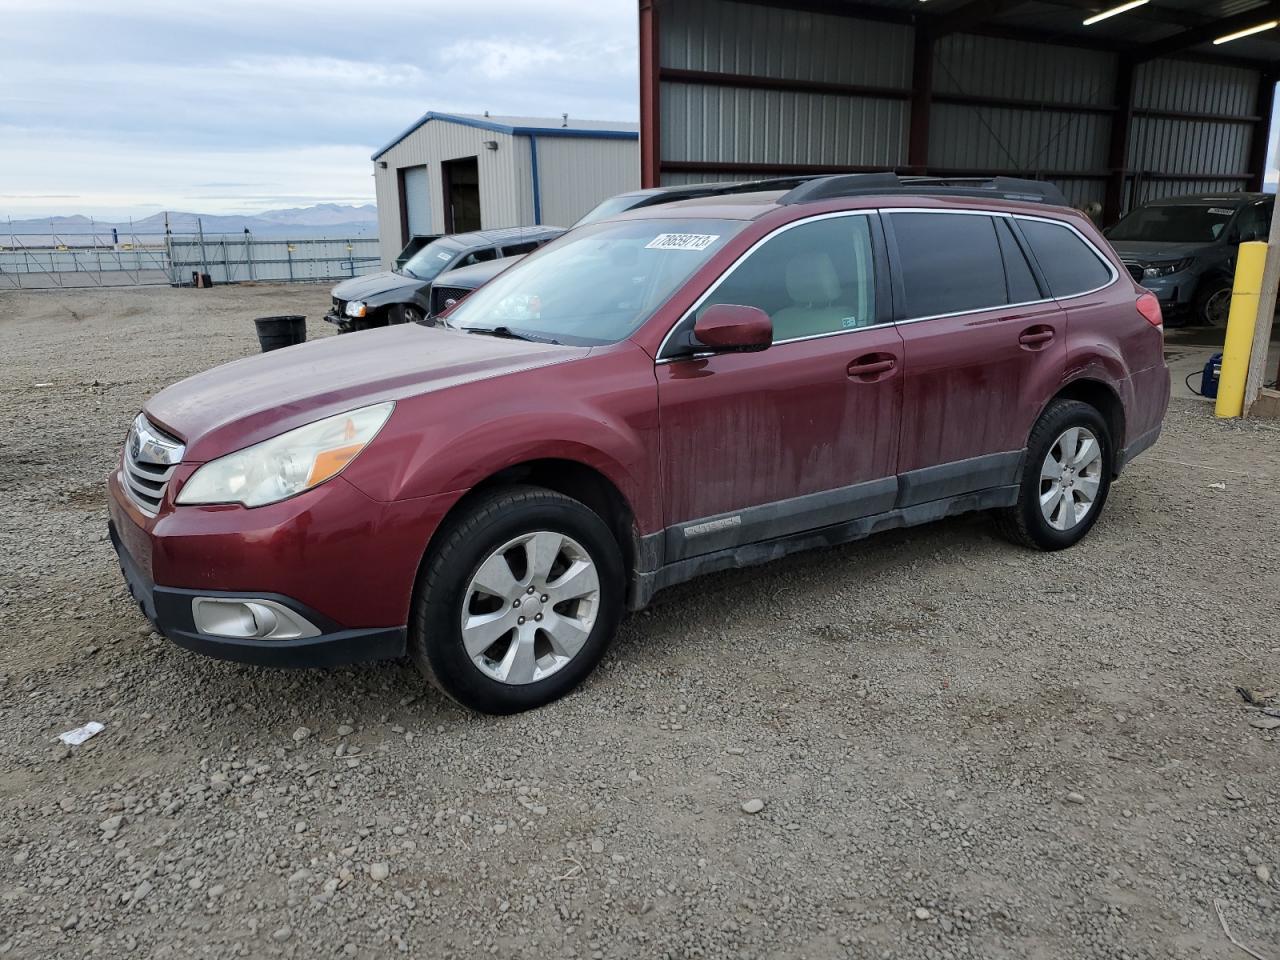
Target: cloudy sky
pixel 128 107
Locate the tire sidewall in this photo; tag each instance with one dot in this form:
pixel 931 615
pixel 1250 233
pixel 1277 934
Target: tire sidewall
pixel 1051 425
pixel 1203 298
pixel 438 635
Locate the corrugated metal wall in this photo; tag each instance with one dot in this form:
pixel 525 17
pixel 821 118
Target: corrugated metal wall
pixel 703 123
pixel 1036 140
pixel 1189 146
pixel 575 174
pixel 506 187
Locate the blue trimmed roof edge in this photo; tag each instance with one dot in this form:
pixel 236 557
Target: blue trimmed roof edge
pixel 507 128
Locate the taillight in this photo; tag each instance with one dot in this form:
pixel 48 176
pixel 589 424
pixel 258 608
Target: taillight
pixel 1149 307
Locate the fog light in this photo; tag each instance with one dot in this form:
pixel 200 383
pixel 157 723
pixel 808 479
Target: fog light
pixel 249 619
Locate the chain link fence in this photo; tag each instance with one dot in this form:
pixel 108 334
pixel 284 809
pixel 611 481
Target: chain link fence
pixel 111 259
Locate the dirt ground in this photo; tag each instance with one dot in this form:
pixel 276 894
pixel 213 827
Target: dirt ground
pixel 962 749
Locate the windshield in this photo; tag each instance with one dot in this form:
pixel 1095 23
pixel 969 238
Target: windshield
pixel 596 284
pixel 1174 223
pixel 431 259
pixel 607 208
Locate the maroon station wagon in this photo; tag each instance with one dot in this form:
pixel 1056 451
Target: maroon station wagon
pixel 685 388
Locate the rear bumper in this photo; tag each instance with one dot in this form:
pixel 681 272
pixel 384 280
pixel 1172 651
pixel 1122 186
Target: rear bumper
pixel 169 610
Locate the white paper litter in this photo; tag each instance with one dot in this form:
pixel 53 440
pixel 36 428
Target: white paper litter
pixel 73 738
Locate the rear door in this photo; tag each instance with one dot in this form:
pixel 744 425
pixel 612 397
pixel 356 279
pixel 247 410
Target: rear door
pixel 803 434
pixel 984 349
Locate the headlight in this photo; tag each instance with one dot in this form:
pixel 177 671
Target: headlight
pixel 1165 269
pixel 288 464
pixel 355 308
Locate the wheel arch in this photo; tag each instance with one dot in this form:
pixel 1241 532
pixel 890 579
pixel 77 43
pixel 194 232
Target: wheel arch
pixel 573 478
pixel 1102 397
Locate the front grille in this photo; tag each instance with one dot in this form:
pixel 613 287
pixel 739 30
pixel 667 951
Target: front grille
pixel 339 306
pixel 439 296
pixel 1135 270
pixel 150 457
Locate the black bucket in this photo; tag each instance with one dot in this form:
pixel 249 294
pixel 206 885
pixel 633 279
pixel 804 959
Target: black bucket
pixel 277 332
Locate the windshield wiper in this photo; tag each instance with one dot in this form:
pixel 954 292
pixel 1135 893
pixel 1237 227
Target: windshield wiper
pixel 508 334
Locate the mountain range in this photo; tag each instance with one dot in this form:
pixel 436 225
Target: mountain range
pixel 323 219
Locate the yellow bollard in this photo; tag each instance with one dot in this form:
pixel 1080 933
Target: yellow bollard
pixel 1240 323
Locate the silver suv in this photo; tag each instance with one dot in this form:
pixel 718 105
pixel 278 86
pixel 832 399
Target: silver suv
pixel 1183 249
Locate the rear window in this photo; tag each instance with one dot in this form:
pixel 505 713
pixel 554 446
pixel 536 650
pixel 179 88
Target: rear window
pixel 950 263
pixel 1069 265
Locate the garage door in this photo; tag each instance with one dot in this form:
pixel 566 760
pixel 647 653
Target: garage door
pixel 417 201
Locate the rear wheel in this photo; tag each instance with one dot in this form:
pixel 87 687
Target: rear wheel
pixel 1065 478
pixel 518 601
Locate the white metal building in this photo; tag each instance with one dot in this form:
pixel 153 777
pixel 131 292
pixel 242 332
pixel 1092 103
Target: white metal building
pixel 449 173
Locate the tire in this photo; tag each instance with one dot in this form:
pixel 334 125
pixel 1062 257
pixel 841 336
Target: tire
pixel 493 535
pixel 1026 522
pixel 1213 303
pixel 404 313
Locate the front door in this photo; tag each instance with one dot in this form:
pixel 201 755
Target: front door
pixel 803 434
pixel 985 347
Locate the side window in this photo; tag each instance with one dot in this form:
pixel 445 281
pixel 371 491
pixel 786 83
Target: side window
pixel 950 263
pixel 817 277
pixel 515 249
pixel 1021 281
pixel 1068 263
pixel 1254 222
pixel 477 256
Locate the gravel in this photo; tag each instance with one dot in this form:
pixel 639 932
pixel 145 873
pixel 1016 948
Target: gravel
pixel 918 710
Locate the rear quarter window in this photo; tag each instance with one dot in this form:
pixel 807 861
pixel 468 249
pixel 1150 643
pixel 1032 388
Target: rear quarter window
pixel 1070 266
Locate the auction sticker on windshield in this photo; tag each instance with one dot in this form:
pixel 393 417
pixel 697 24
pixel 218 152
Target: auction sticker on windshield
pixel 682 241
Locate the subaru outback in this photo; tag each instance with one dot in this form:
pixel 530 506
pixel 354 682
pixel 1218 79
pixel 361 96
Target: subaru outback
pixel 677 390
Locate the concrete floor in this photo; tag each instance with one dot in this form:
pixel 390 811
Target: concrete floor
pixel 1187 349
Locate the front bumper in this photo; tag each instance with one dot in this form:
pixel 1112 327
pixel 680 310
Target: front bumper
pixel 341 560
pixel 1175 292
pixel 169 610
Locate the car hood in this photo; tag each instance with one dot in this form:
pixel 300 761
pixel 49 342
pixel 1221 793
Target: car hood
pixel 476 274
pixel 1148 250
pixel 246 401
pixel 374 284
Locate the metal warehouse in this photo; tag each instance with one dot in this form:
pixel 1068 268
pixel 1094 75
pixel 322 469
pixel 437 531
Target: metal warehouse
pixel 451 173
pixel 1118 103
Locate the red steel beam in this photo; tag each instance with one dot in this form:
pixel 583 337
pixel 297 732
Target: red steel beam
pixel 650 138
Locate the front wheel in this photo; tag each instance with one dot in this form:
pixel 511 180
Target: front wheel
pixel 1065 478
pixel 404 313
pixel 1213 304
pixel 518 600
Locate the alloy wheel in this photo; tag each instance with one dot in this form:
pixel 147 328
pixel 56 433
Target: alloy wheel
pixel 1070 478
pixel 1217 308
pixel 530 607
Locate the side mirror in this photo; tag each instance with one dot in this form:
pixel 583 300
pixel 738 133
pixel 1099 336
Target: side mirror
pixel 733 328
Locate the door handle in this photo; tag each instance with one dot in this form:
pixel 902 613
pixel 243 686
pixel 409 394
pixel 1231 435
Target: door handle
pixel 871 367
pixel 1035 336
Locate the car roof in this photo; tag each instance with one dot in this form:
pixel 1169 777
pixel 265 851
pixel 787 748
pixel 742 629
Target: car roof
pixel 483 238
pixel 752 206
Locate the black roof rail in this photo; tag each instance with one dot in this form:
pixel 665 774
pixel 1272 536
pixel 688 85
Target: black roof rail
pixel 869 184
pixel 768 183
